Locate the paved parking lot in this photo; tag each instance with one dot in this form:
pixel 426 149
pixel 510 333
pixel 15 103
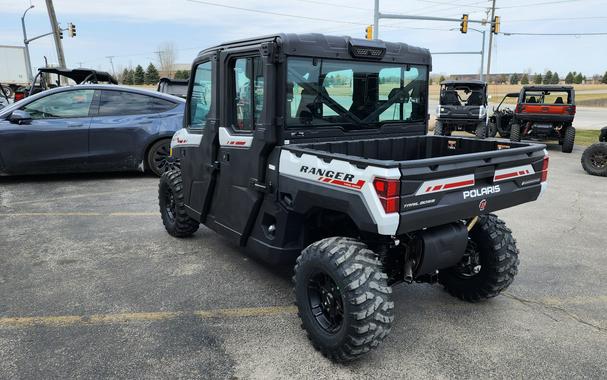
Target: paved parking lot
pixel 91 286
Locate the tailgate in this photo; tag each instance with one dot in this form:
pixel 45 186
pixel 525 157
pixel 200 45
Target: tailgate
pixel 442 190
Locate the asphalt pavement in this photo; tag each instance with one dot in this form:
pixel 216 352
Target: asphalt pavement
pixel 91 286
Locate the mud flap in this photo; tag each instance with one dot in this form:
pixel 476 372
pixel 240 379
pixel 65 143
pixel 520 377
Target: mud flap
pixel 442 247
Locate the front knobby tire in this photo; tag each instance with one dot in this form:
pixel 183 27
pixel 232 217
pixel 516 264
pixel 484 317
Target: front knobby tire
pixel 343 298
pixel 489 265
pixel 172 206
pixel 594 159
pixel 515 133
pixel 438 129
pixel 481 131
pixel 568 140
pixel 491 130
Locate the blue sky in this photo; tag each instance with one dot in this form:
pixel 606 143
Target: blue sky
pixel 131 30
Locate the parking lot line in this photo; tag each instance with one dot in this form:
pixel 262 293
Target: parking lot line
pixel 79 213
pixel 96 319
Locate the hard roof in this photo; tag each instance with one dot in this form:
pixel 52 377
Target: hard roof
pixel 473 81
pixel 548 87
pixel 338 47
pixel 80 74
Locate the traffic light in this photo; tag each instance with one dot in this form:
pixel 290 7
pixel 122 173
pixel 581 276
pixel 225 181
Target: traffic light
pixel 60 34
pixel 71 30
pixel 464 24
pixel 495 25
pixel 369 32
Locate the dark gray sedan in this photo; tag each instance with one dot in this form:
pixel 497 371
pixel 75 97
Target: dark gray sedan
pixel 89 128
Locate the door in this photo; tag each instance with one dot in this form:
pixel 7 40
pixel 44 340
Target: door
pixel 122 127
pixel 235 196
pixel 57 137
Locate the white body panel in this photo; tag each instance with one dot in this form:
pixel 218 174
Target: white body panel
pixel 13 67
pixel 234 141
pixel 332 175
pixel 182 138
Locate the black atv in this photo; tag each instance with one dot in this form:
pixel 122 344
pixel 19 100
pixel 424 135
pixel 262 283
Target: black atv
pixel 501 120
pixel 462 107
pixel 594 158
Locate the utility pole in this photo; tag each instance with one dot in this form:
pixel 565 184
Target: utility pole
pixel 482 56
pixel 56 32
pixel 111 58
pixel 376 20
pixel 490 42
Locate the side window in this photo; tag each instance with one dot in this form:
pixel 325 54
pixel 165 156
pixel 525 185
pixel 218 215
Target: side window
pixel 248 92
pixel 200 101
pixel 66 104
pixel 117 103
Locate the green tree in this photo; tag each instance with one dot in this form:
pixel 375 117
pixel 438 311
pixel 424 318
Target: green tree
pixel 569 78
pixel 185 74
pixel 579 79
pixel 525 79
pixel 555 78
pixel 151 74
pixel 442 78
pixel 125 76
pixel 604 80
pixel 548 77
pixel 129 77
pixel 139 75
pixel 514 78
pixel 537 79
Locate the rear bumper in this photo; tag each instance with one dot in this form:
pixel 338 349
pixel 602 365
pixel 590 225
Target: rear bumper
pixel 547 118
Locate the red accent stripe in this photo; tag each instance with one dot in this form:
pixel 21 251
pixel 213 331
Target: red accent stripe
pixel 468 182
pixel 357 185
pixel 506 176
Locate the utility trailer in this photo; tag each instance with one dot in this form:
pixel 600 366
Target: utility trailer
pixel 13 69
pixel 313 150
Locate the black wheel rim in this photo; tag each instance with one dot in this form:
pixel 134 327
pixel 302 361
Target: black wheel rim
pixel 169 207
pixel 470 265
pixel 598 160
pixel 326 302
pixel 162 159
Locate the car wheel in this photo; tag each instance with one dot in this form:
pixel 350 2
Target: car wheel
pixel 594 159
pixel 159 160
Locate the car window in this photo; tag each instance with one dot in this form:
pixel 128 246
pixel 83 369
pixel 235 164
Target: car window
pixel 248 92
pixel 200 103
pixel 116 103
pixel 65 104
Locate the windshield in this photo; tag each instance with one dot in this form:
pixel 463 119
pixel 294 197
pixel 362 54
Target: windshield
pixel 323 92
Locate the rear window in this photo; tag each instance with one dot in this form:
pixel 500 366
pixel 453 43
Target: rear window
pixel 547 97
pixel 116 103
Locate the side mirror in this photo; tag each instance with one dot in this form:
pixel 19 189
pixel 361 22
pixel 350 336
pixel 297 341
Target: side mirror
pixel 20 117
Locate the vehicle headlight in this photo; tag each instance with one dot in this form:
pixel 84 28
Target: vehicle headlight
pixel 482 112
pixel 438 110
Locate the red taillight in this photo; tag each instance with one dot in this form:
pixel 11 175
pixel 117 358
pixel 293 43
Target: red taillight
pixel 571 110
pixel 19 96
pixel 388 191
pixel 519 108
pixel 544 176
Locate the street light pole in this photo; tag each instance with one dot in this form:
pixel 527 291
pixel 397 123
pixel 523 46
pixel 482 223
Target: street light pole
pixel 28 61
pixel 490 42
pixel 481 76
pixel 56 32
pixel 376 20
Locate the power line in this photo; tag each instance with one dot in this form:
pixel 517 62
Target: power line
pixel 554 34
pixel 334 5
pixel 535 4
pixel 451 3
pixel 559 19
pixel 277 13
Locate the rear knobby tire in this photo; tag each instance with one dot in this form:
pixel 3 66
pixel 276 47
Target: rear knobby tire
pixel 362 291
pixel 568 140
pixel 498 259
pixel 515 133
pixel 594 159
pixel 438 129
pixel 491 130
pixel 481 131
pixel 172 206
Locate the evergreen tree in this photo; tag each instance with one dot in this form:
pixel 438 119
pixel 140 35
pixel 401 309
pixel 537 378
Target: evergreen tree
pixel 151 74
pixel 139 75
pixel 125 76
pixel 538 79
pixel 604 80
pixel 525 79
pixel 548 77
pixel 129 78
pixel 514 78
pixel 569 78
pixel 555 78
pixel 579 78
